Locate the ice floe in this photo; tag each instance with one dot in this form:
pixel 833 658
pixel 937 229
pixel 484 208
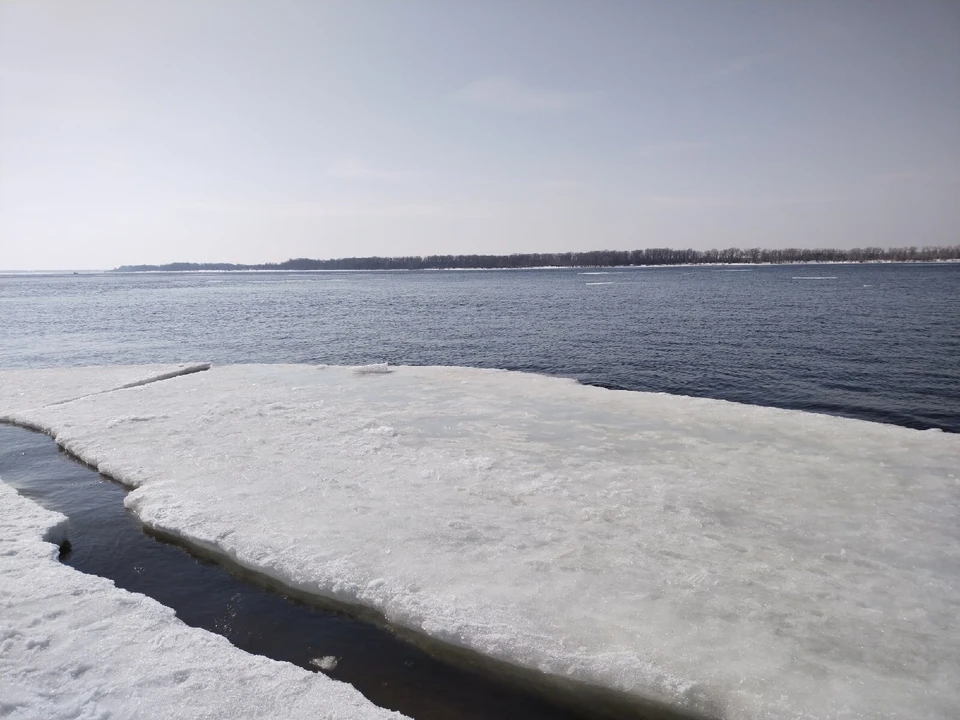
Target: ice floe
pixel 739 561
pixel 75 646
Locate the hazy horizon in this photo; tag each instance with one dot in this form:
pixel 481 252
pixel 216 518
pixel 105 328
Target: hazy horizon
pixel 149 133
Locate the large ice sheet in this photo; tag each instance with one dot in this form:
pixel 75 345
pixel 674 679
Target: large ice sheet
pixel 748 562
pixel 76 646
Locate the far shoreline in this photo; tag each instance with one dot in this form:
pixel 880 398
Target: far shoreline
pixel 158 271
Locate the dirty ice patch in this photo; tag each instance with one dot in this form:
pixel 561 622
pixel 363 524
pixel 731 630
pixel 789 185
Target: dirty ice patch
pixel 740 561
pixel 76 646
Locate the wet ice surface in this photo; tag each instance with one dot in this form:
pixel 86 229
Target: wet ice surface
pixel 736 560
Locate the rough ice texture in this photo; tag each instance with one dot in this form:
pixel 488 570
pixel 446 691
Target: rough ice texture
pixel 742 561
pixel 75 646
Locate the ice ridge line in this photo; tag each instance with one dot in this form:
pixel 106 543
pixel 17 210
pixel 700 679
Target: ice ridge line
pixel 189 370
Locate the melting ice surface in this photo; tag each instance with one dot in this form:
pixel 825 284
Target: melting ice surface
pixel 738 561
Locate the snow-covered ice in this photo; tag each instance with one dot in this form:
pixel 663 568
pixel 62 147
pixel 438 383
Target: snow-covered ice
pixel 742 561
pixel 75 646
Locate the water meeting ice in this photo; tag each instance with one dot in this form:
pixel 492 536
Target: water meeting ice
pixel 732 560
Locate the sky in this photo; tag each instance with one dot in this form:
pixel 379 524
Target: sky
pixel 232 131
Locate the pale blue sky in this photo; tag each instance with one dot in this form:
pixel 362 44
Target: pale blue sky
pixel 256 131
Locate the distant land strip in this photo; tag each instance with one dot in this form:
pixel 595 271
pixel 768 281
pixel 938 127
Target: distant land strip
pixel 592 258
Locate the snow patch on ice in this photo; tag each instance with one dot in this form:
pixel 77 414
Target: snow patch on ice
pixel 382 431
pixel 375 369
pixel 133 418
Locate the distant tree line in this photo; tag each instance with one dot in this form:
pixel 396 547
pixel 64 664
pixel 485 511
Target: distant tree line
pixel 593 258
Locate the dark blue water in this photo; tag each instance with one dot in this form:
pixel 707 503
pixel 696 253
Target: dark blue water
pixel 877 342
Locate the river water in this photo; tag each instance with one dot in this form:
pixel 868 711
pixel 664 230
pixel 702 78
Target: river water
pixel 876 342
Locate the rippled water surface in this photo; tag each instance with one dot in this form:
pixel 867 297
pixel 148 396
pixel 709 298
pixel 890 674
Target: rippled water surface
pixel 878 342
